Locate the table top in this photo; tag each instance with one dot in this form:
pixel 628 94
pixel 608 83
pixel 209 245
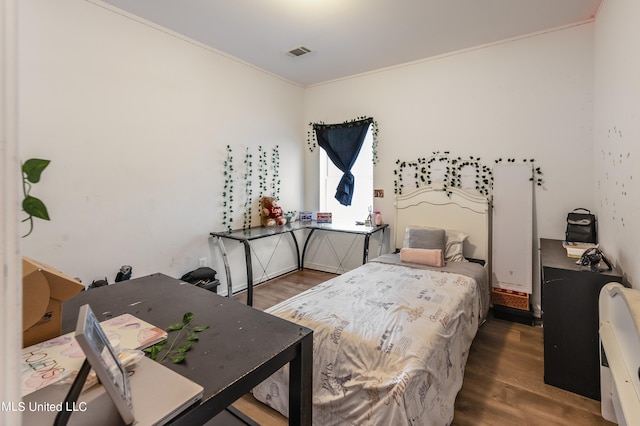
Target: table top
pixel 256 232
pixel 554 255
pixel 239 340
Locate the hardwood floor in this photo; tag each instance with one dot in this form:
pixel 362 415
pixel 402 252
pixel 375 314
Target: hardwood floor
pixel 503 381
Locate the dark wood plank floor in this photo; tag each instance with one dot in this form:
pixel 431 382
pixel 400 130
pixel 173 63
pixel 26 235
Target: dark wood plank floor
pixel 503 382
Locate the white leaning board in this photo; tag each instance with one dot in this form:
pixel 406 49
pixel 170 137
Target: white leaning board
pixel 512 227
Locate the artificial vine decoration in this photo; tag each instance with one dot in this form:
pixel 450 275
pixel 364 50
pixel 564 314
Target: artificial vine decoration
pixel 374 145
pixel 266 166
pixel 248 190
pixel 275 167
pixel 186 332
pixel 536 170
pixel 227 193
pixel 421 171
pixel 262 171
pixel 31 171
pixel 312 141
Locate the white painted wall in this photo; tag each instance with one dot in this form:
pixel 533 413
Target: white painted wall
pixel 135 121
pixel 10 276
pixel 526 98
pixel 617 132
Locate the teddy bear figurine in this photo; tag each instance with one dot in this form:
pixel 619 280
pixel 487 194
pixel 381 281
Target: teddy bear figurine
pixel 271 212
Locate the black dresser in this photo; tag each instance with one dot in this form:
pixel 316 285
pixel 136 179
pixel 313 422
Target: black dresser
pixel 570 320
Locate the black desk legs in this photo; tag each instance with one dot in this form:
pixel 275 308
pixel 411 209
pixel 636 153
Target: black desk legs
pixel 300 383
pixel 304 249
pixel 247 261
pixel 227 270
pixel 295 244
pixel 365 252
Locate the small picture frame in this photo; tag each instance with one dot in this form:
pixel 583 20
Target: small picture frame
pixel 323 217
pixel 306 216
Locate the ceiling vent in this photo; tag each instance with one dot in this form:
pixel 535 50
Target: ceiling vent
pixel 299 51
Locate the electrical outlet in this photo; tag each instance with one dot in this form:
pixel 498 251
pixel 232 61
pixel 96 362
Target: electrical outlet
pixel 202 261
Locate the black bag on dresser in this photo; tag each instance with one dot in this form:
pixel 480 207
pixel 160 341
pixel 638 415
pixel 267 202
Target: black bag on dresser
pixel 581 227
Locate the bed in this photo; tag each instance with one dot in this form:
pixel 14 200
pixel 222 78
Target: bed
pixel 391 338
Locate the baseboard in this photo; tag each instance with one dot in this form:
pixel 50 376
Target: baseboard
pixel 514 315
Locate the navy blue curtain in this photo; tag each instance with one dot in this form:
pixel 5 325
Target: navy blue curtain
pixel 342 142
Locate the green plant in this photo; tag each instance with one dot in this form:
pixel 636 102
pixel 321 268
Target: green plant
pixel 275 166
pixel 227 194
pixel 31 171
pixel 243 178
pixel 248 174
pixel 187 334
pixel 262 171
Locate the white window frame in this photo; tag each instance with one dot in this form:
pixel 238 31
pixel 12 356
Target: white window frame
pixel 362 200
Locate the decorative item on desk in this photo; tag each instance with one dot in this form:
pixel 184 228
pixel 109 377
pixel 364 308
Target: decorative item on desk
pixel 368 222
pixel 291 216
pixel 377 219
pixel 187 335
pixel 592 258
pixel 271 212
pixel 323 217
pixel 306 216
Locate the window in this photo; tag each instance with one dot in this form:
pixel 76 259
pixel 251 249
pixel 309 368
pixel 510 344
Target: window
pixel 330 176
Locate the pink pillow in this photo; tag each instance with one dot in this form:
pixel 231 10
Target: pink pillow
pixel 430 257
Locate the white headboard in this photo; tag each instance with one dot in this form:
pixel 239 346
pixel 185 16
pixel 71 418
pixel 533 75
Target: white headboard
pixel 461 211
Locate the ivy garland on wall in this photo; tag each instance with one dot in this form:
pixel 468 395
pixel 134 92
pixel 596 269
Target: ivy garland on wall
pixel 265 166
pixel 275 172
pixel 262 175
pixel 420 172
pixel 248 190
pixel 312 142
pixel 227 193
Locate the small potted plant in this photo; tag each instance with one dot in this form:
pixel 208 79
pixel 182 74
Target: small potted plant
pixel 291 216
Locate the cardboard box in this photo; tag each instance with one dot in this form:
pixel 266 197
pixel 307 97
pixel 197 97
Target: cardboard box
pixel 43 291
pixel 510 298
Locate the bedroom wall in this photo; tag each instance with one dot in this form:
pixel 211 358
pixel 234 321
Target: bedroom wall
pixel 524 98
pixel 617 132
pixel 11 315
pixel 135 121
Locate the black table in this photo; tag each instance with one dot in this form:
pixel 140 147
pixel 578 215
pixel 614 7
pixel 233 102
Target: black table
pixel 245 236
pixel 571 320
pixel 241 348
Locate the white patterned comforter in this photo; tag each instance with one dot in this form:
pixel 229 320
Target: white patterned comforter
pixel 390 343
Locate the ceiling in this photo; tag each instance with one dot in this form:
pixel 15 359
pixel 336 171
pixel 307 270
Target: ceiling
pixel 349 37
